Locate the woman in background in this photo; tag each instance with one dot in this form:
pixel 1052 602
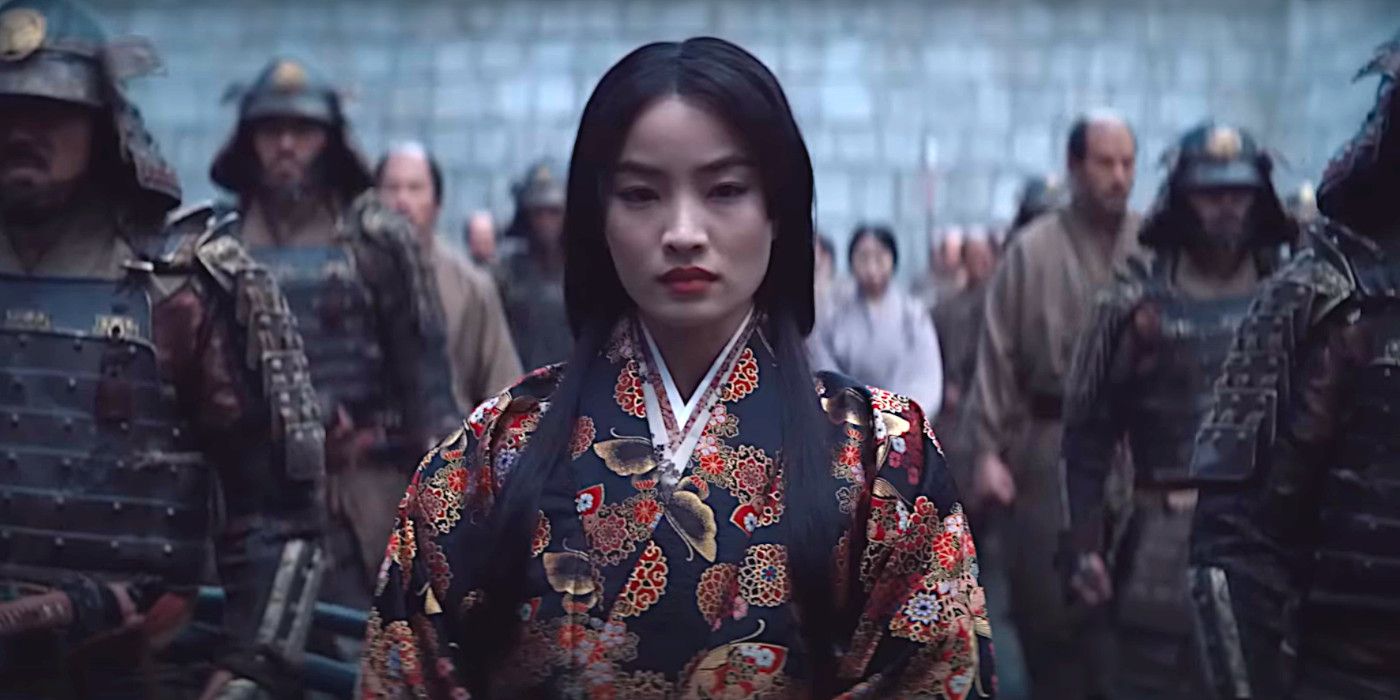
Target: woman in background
pixel 681 511
pixel 878 334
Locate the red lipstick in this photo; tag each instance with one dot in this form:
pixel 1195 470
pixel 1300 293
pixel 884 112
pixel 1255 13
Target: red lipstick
pixel 688 280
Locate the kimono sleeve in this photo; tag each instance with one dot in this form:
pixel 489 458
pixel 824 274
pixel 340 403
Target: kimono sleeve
pixel 405 653
pixel 922 628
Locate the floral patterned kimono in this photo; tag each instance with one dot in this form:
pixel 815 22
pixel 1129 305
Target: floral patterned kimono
pixel 649 581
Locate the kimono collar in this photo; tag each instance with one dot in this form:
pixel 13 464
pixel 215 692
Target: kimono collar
pixel 676 424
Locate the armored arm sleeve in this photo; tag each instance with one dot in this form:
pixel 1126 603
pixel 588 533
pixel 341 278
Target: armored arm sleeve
pixel 262 432
pixel 1307 432
pixel 1255 457
pixel 1093 419
pixel 411 330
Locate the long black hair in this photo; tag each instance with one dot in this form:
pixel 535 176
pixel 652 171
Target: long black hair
pixel 737 88
pixel 881 233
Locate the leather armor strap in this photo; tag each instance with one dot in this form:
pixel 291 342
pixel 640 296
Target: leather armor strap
pixel 52 610
pixel 274 350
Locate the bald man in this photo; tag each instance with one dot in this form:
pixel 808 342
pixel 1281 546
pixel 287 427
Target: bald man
pixel 479 347
pixel 1038 302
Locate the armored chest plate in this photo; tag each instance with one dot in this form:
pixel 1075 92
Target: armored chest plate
pixel 1173 385
pixel 335 312
pixel 96 467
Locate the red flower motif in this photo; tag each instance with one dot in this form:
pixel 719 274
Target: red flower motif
pixel 646 512
pixel 438 569
pixel 608 534
pixel 947 549
pixel 457 480
pixel 751 471
pixel 628 391
pixel 717 593
pixel 885 401
pixel 584 434
pixel 645 585
pixel 743 379
pixel 541 536
pixel 850 455
pixel 933 437
pixel 711 464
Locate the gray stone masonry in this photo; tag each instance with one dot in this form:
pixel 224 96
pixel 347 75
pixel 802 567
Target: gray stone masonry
pixel 917 112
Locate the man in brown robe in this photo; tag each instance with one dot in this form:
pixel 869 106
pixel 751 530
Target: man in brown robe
pixel 479 348
pixel 1037 304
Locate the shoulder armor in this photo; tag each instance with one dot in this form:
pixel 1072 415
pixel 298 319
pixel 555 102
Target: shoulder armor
pixel 1254 382
pixel 373 222
pixel 1097 344
pixel 272 347
pixel 378 223
pixel 188 231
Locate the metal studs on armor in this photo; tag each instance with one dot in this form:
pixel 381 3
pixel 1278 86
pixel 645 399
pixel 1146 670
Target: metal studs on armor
pixel 170 512
pixel 72 384
pixel 168 550
pixel 58 542
pixel 12 458
pixel 116 506
pixel 59 501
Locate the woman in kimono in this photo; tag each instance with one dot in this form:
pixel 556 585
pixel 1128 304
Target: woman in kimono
pixel 877 333
pixel 682 510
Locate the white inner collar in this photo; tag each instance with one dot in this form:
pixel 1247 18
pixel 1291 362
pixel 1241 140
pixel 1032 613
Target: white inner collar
pixel 682 409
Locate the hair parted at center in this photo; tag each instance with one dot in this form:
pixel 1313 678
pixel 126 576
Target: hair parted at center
pixel 736 88
pixel 732 85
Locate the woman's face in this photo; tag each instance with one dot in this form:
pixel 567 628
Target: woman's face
pixel 686 221
pixel 873 265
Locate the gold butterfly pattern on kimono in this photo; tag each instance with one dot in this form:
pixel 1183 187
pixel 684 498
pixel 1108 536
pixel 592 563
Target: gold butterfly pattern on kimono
pixel 640 589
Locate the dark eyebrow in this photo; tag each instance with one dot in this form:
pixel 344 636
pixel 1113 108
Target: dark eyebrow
pixel 733 161
pixel 644 170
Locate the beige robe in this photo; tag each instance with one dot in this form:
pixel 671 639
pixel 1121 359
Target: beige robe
pixel 1038 301
pixel 479 347
pixel 83 242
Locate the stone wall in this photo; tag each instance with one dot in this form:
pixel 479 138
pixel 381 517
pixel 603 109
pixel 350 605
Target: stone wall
pixel 916 111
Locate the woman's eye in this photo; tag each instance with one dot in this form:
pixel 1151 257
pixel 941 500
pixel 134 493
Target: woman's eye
pixel 729 190
pixel 636 195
